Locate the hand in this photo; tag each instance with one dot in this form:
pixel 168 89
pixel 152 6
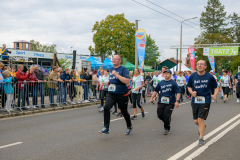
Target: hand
pixel 214 97
pixel 79 82
pixel 96 89
pixel 150 101
pixel 27 72
pixel 114 73
pixel 85 80
pixel 136 89
pixel 39 81
pixel 70 80
pixel 90 73
pixel 60 80
pixel 194 94
pixel 45 80
pixel 129 92
pixel 176 104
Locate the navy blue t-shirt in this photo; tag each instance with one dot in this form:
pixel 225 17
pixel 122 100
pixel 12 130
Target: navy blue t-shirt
pixel 121 88
pixel 168 89
pixel 202 85
pixel 238 78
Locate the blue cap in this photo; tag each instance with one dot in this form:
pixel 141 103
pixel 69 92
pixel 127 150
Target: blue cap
pixel 168 70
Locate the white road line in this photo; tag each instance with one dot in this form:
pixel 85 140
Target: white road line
pixel 9 145
pixel 184 103
pixel 215 139
pixel 123 117
pixel 194 144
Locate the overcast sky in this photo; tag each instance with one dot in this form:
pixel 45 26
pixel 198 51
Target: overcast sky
pixel 69 23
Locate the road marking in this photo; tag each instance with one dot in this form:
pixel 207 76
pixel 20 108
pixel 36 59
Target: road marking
pixel 184 103
pixel 123 117
pixel 215 139
pixel 194 144
pixel 9 145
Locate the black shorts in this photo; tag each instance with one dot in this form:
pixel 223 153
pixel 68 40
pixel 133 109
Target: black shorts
pixel 200 110
pixel 143 93
pixel 225 90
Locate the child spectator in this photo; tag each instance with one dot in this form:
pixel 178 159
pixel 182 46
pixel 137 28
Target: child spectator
pixel 8 89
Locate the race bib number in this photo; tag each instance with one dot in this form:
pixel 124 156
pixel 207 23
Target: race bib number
pixel 224 85
pixel 143 88
pixel 135 92
pixel 22 85
pixel 112 87
pixel 165 100
pixel 154 85
pixel 199 99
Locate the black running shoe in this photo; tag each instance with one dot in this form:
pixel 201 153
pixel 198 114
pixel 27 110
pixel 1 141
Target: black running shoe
pixel 201 142
pixel 143 114
pixel 119 114
pixel 144 100
pixel 134 117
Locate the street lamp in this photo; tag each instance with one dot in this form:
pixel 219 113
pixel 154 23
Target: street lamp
pixel 181 40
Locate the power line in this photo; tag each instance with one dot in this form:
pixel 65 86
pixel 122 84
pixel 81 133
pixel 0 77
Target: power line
pixel 169 11
pixel 163 14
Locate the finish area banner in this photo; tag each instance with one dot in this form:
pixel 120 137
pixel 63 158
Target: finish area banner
pixel 141 41
pixel 191 52
pixel 220 51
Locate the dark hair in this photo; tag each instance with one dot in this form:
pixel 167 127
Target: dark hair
pixel 225 71
pixel 85 69
pixel 107 70
pixel 72 71
pixel 95 72
pixel 54 67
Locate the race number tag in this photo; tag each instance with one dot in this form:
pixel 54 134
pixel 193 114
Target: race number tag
pixel 224 85
pixel 22 85
pixel 112 87
pixel 165 100
pixel 135 92
pixel 143 88
pixel 199 99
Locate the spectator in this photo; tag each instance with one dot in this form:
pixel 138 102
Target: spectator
pixel 66 78
pixel 8 90
pixel 60 89
pixel 100 87
pixel 60 70
pixel 72 86
pixel 32 81
pixel 78 86
pixel 21 76
pixel 88 77
pixel 52 84
pixel 149 80
pixel 39 86
pixel 3 100
pixel 94 83
pixel 99 71
pixel 1 67
pixel 4 52
pixel 13 74
pixel 13 71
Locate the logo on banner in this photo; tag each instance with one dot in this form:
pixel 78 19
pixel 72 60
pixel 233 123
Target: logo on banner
pixel 141 40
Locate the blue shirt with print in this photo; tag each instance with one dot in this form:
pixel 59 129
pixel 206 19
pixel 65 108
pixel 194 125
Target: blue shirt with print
pixel 121 88
pixel 202 85
pixel 168 89
pixel 238 78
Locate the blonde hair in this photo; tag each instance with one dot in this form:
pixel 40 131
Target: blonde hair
pixel 79 72
pixel 6 73
pixel 142 74
pixel 130 74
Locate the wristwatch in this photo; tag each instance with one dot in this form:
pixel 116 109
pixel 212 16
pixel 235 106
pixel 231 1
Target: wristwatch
pixel 178 101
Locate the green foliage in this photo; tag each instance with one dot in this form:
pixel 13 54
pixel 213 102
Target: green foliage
pixel 152 54
pixel 114 35
pixel 36 46
pixel 65 62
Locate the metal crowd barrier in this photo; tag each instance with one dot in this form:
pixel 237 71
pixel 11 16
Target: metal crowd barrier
pixel 39 94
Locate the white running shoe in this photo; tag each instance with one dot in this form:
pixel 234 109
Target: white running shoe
pixel 73 103
pixel 79 102
pixel 34 107
pixel 238 100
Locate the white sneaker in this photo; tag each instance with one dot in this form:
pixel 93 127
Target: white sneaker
pixel 87 101
pixel 28 107
pixel 238 100
pixel 34 107
pixel 73 103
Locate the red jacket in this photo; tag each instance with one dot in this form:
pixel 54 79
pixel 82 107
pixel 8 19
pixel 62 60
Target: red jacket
pixel 21 76
pixel 31 80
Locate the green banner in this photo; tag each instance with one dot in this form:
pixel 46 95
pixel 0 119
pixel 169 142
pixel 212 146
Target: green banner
pixel 221 51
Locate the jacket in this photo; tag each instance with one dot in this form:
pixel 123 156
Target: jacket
pixel 7 85
pixel 4 53
pixel 88 77
pixel 64 77
pixel 31 80
pixel 21 76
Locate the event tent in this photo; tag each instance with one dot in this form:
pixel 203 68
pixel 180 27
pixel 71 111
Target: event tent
pixel 107 64
pixel 129 66
pixel 94 62
pixel 183 68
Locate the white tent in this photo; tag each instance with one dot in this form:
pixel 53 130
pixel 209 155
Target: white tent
pixel 183 68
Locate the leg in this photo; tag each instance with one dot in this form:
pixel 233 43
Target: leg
pixel 160 111
pixel 139 97
pixel 42 93
pixel 134 100
pixel 123 104
pixel 167 116
pixel 81 93
pixel 110 101
pixel 201 127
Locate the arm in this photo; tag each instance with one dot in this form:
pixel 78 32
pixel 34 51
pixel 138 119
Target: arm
pixel 122 79
pixel 230 83
pixel 7 80
pixel 2 51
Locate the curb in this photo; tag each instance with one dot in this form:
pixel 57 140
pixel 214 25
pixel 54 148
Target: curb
pixel 48 110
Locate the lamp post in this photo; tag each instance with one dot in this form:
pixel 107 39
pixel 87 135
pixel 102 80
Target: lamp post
pixel 181 41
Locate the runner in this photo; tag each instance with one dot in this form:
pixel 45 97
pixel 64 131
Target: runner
pixel 155 81
pixel 237 85
pixel 138 84
pixel 161 76
pixel 118 93
pixel 221 86
pixel 181 81
pixel 144 89
pixel 225 83
pixel 187 78
pixel 99 86
pixel 103 85
pixel 199 86
pixel 167 100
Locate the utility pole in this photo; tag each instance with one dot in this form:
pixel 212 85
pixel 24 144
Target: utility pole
pixel 177 61
pixel 136 53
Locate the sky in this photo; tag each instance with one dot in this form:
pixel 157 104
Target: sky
pixel 69 23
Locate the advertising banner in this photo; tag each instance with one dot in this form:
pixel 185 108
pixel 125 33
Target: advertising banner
pixel 212 62
pixel 220 51
pixel 191 52
pixel 141 41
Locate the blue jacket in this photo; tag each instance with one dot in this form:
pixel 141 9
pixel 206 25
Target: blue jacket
pixel 64 77
pixel 7 85
pixel 5 53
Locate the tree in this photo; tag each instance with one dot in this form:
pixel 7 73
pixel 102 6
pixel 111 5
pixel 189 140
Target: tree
pixel 114 35
pixel 65 62
pixel 152 54
pixel 213 20
pixel 36 46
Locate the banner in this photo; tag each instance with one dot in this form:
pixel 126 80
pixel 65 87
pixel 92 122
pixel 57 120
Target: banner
pixel 212 62
pixel 141 41
pixel 220 51
pixel 191 52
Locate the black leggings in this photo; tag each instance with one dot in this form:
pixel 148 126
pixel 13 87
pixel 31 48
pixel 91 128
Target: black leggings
pixel 182 89
pixel 238 91
pixel 130 96
pixel 136 98
pixel 225 90
pixel 122 102
pixel 104 93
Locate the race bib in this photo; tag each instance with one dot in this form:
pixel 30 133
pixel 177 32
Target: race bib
pixel 135 92
pixel 165 100
pixel 199 99
pixel 154 85
pixel 224 85
pixel 143 88
pixel 22 85
pixel 112 87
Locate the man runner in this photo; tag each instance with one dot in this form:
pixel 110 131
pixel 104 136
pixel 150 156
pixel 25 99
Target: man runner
pixel 199 86
pixel 167 100
pixel 117 93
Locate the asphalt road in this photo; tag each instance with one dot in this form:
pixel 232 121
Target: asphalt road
pixel 73 135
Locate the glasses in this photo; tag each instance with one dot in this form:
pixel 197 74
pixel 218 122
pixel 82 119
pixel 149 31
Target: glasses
pixel 115 59
pixel 200 64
